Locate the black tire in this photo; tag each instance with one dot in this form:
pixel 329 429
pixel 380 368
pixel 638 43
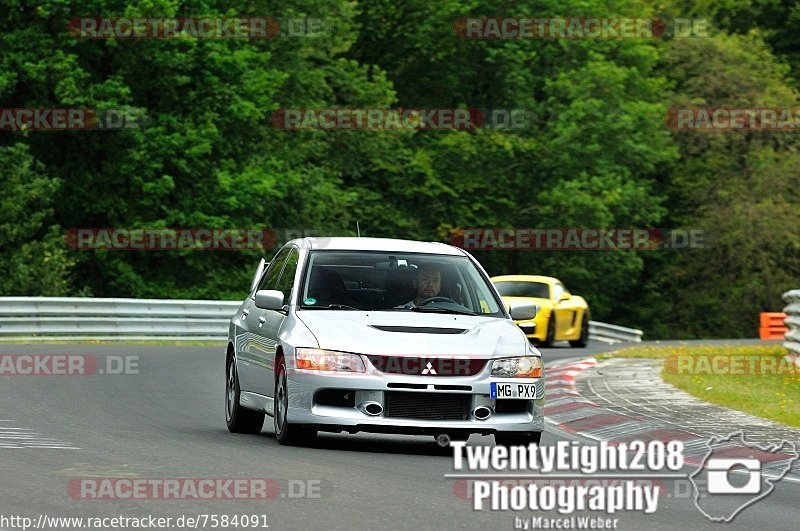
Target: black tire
pixel 582 341
pixel 517 438
pixel 238 419
pixel 287 434
pixel 551 331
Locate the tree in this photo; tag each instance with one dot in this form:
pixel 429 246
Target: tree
pixel 738 187
pixel 33 257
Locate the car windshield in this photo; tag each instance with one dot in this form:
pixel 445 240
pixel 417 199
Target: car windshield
pixel 403 282
pixel 514 288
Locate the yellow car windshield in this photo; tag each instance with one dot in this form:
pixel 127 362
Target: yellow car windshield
pixel 515 288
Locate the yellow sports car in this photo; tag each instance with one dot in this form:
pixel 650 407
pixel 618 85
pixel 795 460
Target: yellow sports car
pixel 561 316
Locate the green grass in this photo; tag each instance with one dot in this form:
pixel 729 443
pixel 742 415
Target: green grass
pixel 772 392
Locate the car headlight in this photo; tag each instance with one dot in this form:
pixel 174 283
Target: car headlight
pixel 521 367
pixel 328 360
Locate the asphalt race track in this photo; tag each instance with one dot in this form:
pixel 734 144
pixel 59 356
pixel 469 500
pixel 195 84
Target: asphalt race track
pixel 168 421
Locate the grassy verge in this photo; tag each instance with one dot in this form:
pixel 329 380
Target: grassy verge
pixel 754 379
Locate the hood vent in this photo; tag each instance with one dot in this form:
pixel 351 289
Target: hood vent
pixel 420 329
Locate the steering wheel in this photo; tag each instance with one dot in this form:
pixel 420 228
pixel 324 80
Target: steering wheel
pixel 436 299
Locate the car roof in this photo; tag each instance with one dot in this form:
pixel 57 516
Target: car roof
pixel 380 244
pixel 525 278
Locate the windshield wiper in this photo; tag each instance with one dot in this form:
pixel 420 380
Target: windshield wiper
pixel 433 309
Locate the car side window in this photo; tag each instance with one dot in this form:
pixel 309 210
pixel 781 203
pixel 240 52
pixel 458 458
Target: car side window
pixel 558 289
pixel 286 281
pixel 270 278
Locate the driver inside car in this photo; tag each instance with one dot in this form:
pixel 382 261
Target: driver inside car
pixel 427 283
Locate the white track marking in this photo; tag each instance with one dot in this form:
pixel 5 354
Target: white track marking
pixel 14 438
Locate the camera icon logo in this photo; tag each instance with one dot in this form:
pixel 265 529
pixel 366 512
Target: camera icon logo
pixel 720 470
pixel 736 473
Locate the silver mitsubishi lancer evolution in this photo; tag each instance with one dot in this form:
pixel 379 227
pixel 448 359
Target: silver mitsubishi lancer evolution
pixel 383 336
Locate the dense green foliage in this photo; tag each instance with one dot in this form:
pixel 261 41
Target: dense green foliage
pixel 596 154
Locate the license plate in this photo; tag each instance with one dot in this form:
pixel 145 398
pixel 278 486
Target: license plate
pixel 499 391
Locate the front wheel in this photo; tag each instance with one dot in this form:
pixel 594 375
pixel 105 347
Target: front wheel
pixel 288 434
pixel 239 419
pixel 517 438
pixel 583 340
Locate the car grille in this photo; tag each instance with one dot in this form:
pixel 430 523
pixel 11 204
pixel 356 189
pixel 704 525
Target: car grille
pixel 416 366
pixel 427 406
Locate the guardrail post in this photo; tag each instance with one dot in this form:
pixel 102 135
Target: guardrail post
pixel 792 323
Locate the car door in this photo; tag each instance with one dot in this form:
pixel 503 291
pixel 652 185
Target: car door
pixel 266 324
pixel 566 313
pixel 253 351
pixel 560 309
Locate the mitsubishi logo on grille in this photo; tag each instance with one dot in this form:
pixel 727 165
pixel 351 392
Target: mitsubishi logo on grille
pixel 439 366
pixel 429 369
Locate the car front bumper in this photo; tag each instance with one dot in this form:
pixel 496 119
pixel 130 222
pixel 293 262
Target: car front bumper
pixel 303 387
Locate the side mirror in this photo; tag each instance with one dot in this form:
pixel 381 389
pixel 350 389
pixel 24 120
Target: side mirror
pixel 564 297
pixel 269 299
pixel 524 312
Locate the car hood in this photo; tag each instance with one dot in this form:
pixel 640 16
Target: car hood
pixel 415 334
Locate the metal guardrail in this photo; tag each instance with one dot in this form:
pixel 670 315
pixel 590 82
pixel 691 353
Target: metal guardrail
pixel 47 318
pixel 792 311
pixel 71 318
pixel 608 333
